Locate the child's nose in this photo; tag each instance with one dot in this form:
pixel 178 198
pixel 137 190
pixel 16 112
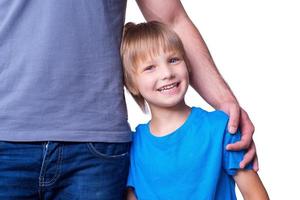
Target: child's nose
pixel 167 72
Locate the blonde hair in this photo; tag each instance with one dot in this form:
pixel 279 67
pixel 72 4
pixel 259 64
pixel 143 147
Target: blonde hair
pixel 141 41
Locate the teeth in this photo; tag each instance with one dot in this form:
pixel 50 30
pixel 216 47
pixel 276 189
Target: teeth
pixel 168 87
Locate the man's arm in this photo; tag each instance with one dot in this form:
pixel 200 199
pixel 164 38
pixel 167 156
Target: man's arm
pixel 250 185
pixel 204 73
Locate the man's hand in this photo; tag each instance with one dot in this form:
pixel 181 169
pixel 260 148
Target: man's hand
pixel 238 118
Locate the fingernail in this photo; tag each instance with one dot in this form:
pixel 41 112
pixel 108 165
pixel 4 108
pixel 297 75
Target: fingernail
pixel 231 129
pixel 228 147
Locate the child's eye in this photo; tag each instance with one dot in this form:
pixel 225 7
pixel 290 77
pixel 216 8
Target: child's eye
pixel 173 60
pixel 150 67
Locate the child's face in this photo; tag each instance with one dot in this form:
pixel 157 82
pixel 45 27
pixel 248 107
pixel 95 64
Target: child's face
pixel 163 80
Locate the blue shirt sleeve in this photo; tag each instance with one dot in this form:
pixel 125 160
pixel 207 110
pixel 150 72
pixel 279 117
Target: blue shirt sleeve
pixel 130 182
pixel 232 159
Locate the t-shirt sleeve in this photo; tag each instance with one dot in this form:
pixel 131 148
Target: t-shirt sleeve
pixel 130 182
pixel 232 159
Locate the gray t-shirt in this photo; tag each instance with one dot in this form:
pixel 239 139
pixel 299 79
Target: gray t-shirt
pixel 60 71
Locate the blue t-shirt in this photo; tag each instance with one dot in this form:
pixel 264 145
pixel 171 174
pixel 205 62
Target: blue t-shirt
pixel 190 163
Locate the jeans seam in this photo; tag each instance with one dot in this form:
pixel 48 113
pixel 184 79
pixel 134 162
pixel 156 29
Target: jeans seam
pixel 43 168
pixel 58 169
pixel 42 172
pixel 98 154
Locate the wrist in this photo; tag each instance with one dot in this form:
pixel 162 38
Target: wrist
pixel 225 105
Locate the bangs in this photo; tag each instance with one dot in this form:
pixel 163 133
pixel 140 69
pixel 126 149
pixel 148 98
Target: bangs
pixel 153 47
pixel 151 42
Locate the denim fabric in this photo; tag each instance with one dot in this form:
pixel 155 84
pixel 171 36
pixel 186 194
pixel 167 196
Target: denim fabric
pixel 63 170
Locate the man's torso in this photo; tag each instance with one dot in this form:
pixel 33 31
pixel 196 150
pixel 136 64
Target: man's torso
pixel 60 71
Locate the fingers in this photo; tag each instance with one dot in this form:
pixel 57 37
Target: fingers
pixel 240 145
pixel 247 130
pixel 239 118
pixel 249 156
pixel 234 116
pixel 247 127
pixel 246 142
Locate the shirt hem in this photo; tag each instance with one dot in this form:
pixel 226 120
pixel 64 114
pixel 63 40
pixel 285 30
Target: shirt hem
pixel 67 136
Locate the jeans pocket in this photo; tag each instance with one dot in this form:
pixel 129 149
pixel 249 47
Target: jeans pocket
pixel 109 150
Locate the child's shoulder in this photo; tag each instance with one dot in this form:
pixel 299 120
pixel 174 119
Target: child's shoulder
pixel 215 114
pixel 212 121
pixel 139 129
pixel 219 115
pixel 211 117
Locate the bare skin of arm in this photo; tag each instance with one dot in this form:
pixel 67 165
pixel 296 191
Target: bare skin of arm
pixel 204 73
pixel 250 185
pixel 130 195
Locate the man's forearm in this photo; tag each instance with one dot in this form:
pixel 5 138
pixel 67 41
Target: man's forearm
pixel 205 78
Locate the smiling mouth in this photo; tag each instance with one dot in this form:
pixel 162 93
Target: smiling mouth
pixel 168 87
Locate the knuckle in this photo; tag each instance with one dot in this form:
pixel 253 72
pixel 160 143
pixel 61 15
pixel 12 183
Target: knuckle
pixel 253 129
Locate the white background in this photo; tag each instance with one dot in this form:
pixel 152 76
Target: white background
pixel 255 45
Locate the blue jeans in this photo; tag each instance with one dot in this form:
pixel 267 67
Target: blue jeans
pixel 63 170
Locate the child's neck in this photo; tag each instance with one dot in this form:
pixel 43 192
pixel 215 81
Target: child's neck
pixel 166 120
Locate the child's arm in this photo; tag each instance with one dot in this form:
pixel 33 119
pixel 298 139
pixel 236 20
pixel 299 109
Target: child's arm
pixel 130 194
pixel 250 185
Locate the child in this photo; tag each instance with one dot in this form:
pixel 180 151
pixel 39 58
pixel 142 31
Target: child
pixel 180 153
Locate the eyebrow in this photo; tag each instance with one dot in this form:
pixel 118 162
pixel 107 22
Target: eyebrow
pixel 173 53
